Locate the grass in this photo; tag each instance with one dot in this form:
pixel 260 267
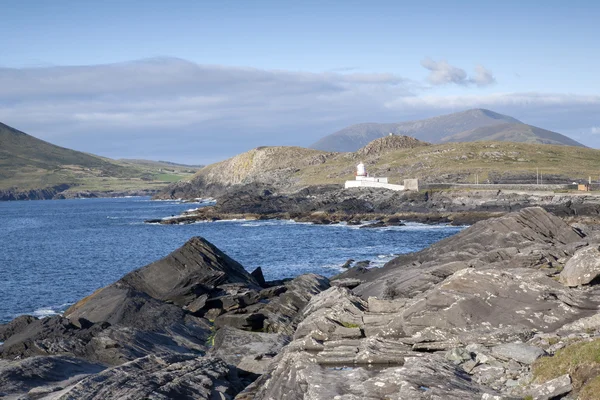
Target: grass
pixel 463 161
pixel 349 325
pixel 170 177
pixel 580 360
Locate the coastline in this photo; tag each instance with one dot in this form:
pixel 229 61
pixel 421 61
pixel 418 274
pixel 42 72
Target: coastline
pixel 474 316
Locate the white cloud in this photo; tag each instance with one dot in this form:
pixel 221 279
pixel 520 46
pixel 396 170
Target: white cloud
pixel 442 73
pixel 174 109
pixel 483 76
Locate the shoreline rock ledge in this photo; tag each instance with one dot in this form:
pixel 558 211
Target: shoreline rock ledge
pixel 485 314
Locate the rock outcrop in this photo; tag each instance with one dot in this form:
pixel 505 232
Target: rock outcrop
pixel 475 316
pixel 153 328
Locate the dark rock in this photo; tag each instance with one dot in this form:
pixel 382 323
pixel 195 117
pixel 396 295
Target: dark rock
pixel 281 311
pixel 349 283
pixel 273 291
pixel 378 224
pixel 15 326
pixel 348 263
pixel 188 273
pixel 242 319
pixel 362 264
pixel 258 276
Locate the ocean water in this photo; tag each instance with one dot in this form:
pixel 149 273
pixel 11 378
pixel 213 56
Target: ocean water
pixel 53 253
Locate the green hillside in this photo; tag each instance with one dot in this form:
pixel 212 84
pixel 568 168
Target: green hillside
pixel 30 163
pixel 399 158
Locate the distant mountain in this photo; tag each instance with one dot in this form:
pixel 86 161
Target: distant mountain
pixel 28 164
pixel 461 126
pixel 512 133
pixel 159 164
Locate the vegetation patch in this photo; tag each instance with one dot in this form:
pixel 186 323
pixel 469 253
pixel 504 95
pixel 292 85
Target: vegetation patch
pixel 580 360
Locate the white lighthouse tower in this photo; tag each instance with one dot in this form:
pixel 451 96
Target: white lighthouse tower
pixel 362 179
pixel 361 170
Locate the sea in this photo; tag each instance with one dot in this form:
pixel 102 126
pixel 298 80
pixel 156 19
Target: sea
pixel 55 252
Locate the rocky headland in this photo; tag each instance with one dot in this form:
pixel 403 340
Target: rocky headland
pixel 329 204
pixel 506 309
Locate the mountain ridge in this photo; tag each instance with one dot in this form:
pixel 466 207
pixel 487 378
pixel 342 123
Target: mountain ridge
pixel 438 129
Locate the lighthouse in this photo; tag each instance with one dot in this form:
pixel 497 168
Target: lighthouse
pixel 361 170
pixel 362 179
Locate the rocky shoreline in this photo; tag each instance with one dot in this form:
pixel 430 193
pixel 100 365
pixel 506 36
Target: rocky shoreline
pixel 332 205
pixel 506 309
pixel 61 192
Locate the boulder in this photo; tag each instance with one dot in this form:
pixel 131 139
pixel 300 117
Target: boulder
pixel 582 268
pixel 520 352
pixel 552 389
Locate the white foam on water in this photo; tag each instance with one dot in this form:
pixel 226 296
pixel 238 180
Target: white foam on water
pixel 44 312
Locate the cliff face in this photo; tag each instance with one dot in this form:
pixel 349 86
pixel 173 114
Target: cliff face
pixel 32 194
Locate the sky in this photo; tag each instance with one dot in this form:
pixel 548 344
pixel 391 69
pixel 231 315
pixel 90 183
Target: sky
pixel 200 81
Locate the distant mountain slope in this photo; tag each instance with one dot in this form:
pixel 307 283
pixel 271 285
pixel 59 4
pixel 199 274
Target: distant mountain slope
pixel 28 164
pixel 158 164
pixel 433 130
pixel 20 149
pixel 512 133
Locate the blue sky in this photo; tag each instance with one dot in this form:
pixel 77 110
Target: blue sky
pixel 138 78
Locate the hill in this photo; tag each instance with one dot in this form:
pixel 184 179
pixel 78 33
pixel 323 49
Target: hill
pixel 512 133
pixel 440 129
pixel 30 164
pixel 291 168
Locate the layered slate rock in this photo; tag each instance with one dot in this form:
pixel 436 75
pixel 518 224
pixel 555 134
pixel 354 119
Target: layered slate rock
pixel 583 267
pixel 188 272
pixel 39 375
pixel 330 357
pixel 180 376
pixel 152 330
pixel 529 238
pixel 252 352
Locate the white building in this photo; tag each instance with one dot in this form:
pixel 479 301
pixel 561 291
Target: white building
pixel 362 179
